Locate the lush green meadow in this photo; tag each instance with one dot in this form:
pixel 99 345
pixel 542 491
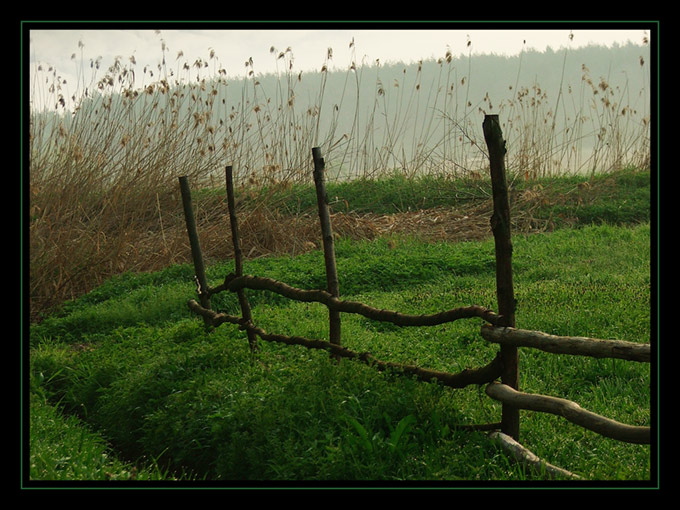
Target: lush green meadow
pixel 177 402
pixel 124 383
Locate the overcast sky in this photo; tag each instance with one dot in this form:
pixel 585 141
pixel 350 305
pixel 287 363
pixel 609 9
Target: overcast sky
pixel 309 45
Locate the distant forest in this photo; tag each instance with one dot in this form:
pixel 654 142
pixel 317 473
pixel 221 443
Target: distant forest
pixel 410 110
pixel 497 78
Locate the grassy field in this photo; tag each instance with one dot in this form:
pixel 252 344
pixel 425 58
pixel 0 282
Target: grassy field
pixel 125 384
pixel 130 362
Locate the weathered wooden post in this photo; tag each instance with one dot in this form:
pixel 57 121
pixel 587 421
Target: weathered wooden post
pixel 328 243
pixel 196 254
pixel 500 225
pixel 238 257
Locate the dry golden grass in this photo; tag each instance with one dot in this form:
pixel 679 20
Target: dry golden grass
pixel 71 256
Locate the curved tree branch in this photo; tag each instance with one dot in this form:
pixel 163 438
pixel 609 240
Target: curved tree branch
pixel 234 283
pixel 482 375
pixel 571 411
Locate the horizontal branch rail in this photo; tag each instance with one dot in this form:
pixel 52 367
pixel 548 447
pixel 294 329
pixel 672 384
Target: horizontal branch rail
pixel 576 345
pixel 529 459
pixel 479 376
pixel 571 411
pixel 235 283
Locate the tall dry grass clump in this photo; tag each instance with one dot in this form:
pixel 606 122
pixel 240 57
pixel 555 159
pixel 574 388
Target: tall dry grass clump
pixel 103 175
pixel 106 151
pixel 583 128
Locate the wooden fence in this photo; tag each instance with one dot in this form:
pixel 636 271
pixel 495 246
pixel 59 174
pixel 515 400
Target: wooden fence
pixel 500 327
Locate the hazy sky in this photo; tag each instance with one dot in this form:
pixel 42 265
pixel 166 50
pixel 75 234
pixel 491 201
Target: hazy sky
pixel 309 46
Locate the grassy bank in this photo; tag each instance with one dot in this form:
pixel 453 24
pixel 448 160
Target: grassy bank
pixel 616 197
pixel 130 360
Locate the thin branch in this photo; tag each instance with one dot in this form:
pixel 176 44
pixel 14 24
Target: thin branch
pixel 529 459
pixel 478 376
pixel 234 283
pixel 571 411
pixel 575 345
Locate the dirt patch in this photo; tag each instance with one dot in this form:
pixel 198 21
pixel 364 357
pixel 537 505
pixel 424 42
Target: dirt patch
pixel 264 232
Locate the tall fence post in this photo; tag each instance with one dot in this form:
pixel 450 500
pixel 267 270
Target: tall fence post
pixel 196 254
pixel 238 256
pixel 328 242
pixel 500 225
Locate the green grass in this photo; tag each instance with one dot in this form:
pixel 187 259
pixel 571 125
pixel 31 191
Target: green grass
pixel 390 194
pixel 619 197
pixel 130 361
pixel 65 448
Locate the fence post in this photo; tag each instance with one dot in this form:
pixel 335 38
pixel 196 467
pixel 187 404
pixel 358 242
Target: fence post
pixel 500 225
pixel 238 258
pixel 196 254
pixel 328 243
